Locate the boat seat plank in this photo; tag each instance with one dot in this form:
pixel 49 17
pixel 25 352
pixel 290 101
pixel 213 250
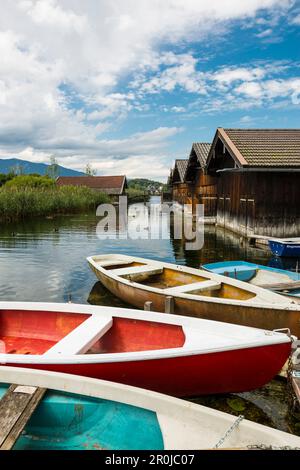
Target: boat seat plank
pixel 83 337
pixel 16 408
pixel 195 286
pixel 117 262
pixel 149 270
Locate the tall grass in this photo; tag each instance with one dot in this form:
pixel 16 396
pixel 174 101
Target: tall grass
pixel 24 202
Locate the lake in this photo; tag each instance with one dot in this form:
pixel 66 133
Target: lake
pixel 45 260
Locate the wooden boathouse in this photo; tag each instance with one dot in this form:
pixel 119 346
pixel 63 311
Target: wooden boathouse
pixel 248 181
pixel 201 185
pixel 177 179
pixel 257 174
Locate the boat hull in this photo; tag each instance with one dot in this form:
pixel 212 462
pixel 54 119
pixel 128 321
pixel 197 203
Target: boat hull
pixel 247 272
pixel 240 314
pixel 284 249
pixel 220 372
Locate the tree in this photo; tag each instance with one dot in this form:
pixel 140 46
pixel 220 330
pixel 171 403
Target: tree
pixel 52 170
pixel 89 170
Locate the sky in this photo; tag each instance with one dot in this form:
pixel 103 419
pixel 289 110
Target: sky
pixel 128 85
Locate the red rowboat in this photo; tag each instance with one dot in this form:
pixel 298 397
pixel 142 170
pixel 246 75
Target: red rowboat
pixel 178 355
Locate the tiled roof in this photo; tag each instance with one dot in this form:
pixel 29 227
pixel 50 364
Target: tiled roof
pixel 266 147
pixel 181 166
pixel 202 150
pixel 108 184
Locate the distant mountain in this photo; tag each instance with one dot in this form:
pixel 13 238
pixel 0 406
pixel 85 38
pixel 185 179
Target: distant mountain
pixel 25 167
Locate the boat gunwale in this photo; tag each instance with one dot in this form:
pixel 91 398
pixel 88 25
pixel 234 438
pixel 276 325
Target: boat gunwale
pixel 189 326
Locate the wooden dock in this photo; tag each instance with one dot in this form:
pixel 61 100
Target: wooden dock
pixel 16 408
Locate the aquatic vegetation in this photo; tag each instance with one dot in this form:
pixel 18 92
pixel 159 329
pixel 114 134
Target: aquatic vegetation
pixel 20 202
pixel 236 404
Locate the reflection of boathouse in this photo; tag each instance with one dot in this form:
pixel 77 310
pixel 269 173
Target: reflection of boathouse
pixel 248 180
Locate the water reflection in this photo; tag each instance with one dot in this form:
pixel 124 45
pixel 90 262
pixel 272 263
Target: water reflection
pixel 99 295
pixel 45 260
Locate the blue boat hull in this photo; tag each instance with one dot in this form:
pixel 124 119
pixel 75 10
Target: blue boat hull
pixel 240 270
pixel 70 422
pixel 284 249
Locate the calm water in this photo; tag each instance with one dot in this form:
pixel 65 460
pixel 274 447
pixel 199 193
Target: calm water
pixel 45 260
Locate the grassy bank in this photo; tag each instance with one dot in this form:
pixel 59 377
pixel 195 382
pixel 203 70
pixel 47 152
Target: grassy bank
pixel 24 201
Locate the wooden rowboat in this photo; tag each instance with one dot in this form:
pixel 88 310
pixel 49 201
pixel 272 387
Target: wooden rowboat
pixel 172 354
pixel 285 282
pixel 194 292
pixel 119 417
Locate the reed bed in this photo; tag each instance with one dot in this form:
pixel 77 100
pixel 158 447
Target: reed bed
pixel 24 202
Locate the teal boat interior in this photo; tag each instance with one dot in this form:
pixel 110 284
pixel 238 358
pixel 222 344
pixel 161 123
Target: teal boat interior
pixel 64 421
pixel 244 271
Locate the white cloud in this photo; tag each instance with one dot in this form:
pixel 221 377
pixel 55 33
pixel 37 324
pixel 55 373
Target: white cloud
pixel 296 20
pixel 265 33
pixel 270 89
pixel 157 167
pixel 228 75
pixel 50 13
pixel 62 61
pixel 178 109
pixel 252 89
pixel 181 73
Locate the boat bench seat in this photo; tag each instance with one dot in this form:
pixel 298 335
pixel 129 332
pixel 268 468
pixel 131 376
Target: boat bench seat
pixel 83 337
pixel 136 271
pixel 195 286
pixel 116 262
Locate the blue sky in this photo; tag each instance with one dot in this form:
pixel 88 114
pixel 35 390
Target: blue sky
pixel 128 86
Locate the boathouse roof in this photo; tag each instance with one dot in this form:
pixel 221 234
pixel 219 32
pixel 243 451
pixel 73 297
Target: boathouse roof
pixel 180 166
pixel 112 185
pixel 260 148
pixel 201 150
pixel 197 159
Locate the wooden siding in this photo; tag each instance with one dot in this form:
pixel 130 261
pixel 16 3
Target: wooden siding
pixel 261 203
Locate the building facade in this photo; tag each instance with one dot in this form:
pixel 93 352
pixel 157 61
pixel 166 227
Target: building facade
pixel 248 181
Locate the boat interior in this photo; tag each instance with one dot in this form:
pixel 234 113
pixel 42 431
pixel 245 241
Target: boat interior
pixel 57 333
pixel 64 421
pixel 173 281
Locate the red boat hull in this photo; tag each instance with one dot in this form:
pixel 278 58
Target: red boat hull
pixel 220 372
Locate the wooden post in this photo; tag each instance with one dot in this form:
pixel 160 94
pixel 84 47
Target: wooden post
pixel 169 304
pixel 148 305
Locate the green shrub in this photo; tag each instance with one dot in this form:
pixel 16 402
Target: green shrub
pixel 30 181
pixel 6 177
pixel 135 195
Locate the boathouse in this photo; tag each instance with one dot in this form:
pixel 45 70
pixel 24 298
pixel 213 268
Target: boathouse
pixel 111 185
pixel 256 174
pixel 180 190
pixel 201 187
